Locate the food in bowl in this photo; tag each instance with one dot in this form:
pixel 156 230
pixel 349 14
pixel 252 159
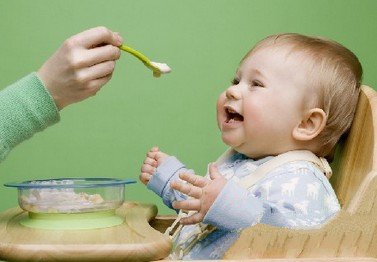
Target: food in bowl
pixel 70 195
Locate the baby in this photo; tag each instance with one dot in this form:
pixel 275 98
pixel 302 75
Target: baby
pixel 291 94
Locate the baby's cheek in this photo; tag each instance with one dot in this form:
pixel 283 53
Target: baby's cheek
pixel 219 108
pixel 220 101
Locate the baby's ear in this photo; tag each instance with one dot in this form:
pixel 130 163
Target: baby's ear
pixel 311 125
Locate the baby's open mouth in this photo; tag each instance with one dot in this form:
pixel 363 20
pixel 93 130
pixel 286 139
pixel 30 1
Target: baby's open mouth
pixel 232 115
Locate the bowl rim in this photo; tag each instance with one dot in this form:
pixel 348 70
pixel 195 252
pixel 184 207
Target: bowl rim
pixel 96 182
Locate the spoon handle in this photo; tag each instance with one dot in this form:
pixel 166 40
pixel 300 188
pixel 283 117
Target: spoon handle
pixel 138 55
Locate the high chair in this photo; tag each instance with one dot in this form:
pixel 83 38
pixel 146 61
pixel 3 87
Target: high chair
pixel 352 234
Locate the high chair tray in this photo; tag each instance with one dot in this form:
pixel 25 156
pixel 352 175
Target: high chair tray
pixel 134 240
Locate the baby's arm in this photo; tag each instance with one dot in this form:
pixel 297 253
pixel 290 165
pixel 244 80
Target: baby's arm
pixel 158 171
pixel 293 198
pixel 285 198
pixel 218 202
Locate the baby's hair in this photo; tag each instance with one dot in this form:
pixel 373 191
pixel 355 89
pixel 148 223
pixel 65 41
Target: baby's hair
pixel 337 75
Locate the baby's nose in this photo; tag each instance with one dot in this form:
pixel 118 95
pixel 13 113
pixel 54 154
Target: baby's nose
pixel 233 93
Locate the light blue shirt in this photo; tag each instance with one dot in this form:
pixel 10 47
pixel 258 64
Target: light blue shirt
pixel 295 195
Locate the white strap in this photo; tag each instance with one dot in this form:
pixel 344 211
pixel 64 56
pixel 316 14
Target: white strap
pixel 290 156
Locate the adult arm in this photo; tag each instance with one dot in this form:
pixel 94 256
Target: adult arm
pixel 26 107
pixel 77 70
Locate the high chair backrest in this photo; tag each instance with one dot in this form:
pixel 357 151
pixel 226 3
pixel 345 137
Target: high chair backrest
pixel 357 165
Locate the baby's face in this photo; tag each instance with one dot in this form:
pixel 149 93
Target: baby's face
pixel 266 100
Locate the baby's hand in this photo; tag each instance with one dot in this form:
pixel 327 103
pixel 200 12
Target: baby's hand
pixel 81 66
pixel 154 158
pixel 202 191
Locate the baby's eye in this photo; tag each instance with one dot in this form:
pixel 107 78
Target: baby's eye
pixel 235 81
pixel 256 83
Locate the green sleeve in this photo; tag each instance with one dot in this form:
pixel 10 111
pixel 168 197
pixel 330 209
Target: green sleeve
pixel 26 107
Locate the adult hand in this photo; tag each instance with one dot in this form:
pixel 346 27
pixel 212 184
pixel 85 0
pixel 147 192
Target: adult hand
pixel 81 66
pixel 203 193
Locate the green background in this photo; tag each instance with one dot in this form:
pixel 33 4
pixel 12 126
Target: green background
pixel 203 41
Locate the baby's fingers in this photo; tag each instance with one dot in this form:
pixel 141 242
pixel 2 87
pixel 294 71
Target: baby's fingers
pixel 146 168
pixel 150 161
pixel 145 177
pixel 195 180
pixel 187 189
pixel 189 204
pixel 152 153
pixel 195 218
pixel 155 149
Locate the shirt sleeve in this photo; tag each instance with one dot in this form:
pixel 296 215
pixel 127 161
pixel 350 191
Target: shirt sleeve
pixel 165 173
pixel 234 208
pixel 286 198
pixel 26 107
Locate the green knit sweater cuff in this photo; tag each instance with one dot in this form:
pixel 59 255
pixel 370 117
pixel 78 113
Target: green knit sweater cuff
pixel 26 107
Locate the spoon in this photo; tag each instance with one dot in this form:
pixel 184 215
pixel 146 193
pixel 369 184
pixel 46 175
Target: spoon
pixel 157 68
